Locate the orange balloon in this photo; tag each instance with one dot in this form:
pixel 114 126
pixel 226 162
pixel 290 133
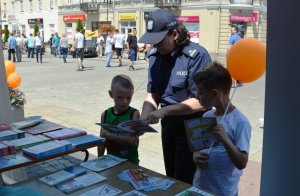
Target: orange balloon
pixel 10 67
pixel 246 60
pixel 14 80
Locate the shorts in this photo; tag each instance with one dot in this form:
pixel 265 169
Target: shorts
pixel 133 55
pixel 119 52
pixel 79 52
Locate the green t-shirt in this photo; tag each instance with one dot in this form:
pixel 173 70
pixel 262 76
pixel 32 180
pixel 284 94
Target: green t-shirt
pixel 122 151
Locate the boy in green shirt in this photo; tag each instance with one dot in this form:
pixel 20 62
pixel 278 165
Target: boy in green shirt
pixel 121 145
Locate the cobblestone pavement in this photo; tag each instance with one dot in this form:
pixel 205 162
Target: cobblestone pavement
pixel 59 93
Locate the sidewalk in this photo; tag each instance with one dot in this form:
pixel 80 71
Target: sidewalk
pixel 58 93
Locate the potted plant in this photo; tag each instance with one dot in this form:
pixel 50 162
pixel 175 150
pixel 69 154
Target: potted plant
pixel 17 101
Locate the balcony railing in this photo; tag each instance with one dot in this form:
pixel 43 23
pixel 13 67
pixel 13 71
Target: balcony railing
pixel 242 2
pixel 167 3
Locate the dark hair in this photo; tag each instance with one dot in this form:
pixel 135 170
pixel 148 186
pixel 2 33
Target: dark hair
pixel 77 29
pixel 123 81
pixel 235 28
pixel 184 36
pixel 214 76
pixel 117 31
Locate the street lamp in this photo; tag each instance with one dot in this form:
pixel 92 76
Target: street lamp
pixel 107 9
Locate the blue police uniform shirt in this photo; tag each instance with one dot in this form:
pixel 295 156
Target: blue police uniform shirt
pixel 234 38
pixel 170 76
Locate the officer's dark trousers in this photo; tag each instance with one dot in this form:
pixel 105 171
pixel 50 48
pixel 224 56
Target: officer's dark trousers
pixel 177 155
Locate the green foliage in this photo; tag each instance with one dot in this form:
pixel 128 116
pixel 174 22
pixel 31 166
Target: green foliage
pixel 79 25
pixel 6 34
pixel 36 29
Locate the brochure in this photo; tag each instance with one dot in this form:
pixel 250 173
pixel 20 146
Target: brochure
pixel 43 127
pixel 29 141
pixel 197 133
pixel 102 163
pixel 194 191
pixel 11 134
pixel 64 134
pixel 103 190
pixel 80 182
pixel 63 175
pixel 48 149
pixel 7 148
pixel 85 140
pixel 142 181
pixel 4 127
pixel 27 123
pixel 134 193
pixel 130 126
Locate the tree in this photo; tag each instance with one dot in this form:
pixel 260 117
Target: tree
pixel 106 27
pixel 36 29
pixel 79 25
pixel 6 34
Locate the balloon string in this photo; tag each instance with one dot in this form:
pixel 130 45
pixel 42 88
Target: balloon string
pixel 212 143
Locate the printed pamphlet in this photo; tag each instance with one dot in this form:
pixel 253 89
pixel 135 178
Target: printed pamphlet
pixel 105 189
pixel 102 163
pixel 194 191
pixel 197 133
pixel 131 126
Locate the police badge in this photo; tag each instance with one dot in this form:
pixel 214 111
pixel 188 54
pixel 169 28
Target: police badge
pixel 150 25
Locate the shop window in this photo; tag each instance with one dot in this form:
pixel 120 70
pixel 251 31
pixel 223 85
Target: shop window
pixel 12 10
pixel 40 5
pixel 51 4
pixel 30 5
pixel 21 6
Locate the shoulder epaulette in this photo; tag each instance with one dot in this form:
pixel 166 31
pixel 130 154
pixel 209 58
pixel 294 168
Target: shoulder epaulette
pixel 190 51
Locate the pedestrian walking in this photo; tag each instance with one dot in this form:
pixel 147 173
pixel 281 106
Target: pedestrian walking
pixel 55 42
pixel 63 44
pixel 119 45
pixel 100 44
pixel 38 43
pixel 78 47
pixel 108 48
pixel 12 47
pixel 132 47
pixel 51 43
pixel 30 43
pixel 19 48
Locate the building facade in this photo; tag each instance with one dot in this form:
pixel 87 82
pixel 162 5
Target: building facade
pixel 208 21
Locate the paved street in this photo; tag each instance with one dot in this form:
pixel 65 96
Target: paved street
pixel 59 93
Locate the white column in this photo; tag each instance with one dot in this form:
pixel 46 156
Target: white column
pixel 281 155
pixel 5 110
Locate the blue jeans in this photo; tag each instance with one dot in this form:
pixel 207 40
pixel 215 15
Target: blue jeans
pixel 108 58
pixel 30 52
pixel 64 52
pixel 39 51
pixel 57 51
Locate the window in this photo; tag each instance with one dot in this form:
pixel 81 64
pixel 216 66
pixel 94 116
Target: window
pixel 51 4
pixel 40 5
pixel 21 6
pixel 12 10
pixel 30 5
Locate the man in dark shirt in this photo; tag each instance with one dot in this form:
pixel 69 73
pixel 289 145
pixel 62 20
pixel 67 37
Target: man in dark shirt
pixel 132 48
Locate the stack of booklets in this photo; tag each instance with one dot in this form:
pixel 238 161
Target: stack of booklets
pixel 194 191
pixel 27 123
pixel 64 134
pixel 48 149
pixel 11 134
pixel 80 182
pixel 85 140
pixel 102 163
pixel 43 127
pixel 140 180
pixel 29 141
pixel 7 148
pixel 4 127
pixel 63 175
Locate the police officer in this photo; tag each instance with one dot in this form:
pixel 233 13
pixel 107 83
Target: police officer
pixel 170 85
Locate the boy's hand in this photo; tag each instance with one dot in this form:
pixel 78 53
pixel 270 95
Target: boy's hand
pixel 219 133
pixel 104 133
pixel 201 159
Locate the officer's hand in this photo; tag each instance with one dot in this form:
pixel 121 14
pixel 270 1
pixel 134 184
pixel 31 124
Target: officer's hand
pixel 154 116
pixel 201 159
